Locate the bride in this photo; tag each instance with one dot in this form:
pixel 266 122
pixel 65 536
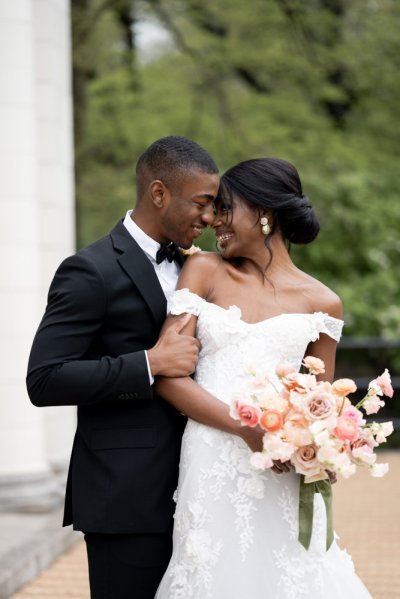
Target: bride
pixel 236 528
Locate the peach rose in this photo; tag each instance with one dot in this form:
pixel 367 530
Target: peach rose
pixel 320 405
pixel 271 421
pixel 273 401
pixel 284 369
pixel 314 365
pixel 343 387
pixel 305 461
pixel 298 382
pixel 248 415
pixel 347 429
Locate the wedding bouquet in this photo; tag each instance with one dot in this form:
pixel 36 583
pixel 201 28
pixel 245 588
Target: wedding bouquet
pixel 314 426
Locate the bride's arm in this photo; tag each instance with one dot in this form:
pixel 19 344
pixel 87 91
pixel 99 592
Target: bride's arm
pixel 196 403
pixel 325 347
pixel 184 393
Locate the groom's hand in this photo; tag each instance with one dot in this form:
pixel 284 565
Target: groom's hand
pixel 174 354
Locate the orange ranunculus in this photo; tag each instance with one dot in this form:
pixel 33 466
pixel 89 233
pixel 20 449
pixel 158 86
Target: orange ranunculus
pixel 271 421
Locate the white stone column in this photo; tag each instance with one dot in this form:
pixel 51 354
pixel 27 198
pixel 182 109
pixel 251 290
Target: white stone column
pixel 54 164
pixel 30 184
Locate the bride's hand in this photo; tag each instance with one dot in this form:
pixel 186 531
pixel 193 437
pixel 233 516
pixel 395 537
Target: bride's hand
pixel 252 436
pixel 281 467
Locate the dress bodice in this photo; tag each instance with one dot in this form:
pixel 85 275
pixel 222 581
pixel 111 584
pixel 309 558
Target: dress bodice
pixel 231 347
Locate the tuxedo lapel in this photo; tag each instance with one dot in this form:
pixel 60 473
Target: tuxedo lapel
pixel 141 272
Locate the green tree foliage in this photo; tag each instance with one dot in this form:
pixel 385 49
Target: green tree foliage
pixel 315 82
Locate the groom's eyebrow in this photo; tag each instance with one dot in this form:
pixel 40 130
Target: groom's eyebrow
pixel 207 196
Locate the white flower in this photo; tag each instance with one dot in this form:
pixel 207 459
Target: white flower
pixel 378 470
pixel 194 249
pixel 276 448
pixel 261 461
pixel 328 453
pixel 364 454
pixel 381 430
pixel 372 404
pixel 344 466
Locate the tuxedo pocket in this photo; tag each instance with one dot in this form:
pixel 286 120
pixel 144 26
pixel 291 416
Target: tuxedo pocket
pixel 127 437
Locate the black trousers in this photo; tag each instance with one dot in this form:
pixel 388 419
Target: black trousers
pixel 126 566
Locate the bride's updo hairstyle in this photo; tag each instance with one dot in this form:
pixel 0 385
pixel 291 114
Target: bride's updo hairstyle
pixel 274 185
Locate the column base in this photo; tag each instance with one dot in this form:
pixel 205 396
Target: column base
pixel 32 493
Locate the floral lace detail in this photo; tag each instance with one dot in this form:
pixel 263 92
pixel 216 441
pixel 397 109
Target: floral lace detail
pixel 236 528
pixel 323 323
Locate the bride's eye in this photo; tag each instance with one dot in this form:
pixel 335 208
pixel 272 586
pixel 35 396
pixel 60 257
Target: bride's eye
pixel 222 208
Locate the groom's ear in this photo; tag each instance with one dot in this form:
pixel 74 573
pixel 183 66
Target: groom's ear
pixel 159 193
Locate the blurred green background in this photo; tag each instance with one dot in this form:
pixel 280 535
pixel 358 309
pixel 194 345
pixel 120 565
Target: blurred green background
pixel 316 82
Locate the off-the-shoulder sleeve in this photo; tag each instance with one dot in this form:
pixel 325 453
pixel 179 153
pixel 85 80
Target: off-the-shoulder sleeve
pixel 183 301
pixel 323 323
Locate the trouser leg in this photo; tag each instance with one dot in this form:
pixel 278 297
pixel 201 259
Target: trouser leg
pixel 126 566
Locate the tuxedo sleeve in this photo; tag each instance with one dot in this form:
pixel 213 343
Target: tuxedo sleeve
pixel 59 372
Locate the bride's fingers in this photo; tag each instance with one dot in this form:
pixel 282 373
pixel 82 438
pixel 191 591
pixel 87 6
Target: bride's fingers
pixel 280 467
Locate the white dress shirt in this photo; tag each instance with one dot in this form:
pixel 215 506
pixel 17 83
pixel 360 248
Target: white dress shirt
pixel 167 272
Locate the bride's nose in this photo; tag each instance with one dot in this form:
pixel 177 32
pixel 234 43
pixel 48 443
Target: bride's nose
pixel 217 221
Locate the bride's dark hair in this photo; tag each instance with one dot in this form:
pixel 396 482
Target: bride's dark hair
pixel 274 185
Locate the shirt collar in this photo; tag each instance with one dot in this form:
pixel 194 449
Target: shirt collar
pixel 148 244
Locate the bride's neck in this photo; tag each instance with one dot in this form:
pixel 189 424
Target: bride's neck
pixel 276 261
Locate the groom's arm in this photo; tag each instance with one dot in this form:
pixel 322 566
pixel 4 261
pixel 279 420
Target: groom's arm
pixel 59 370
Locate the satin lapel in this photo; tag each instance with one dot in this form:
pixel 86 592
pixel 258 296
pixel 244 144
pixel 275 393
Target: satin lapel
pixel 141 272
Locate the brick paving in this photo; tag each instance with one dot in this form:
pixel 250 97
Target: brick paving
pixel 367 519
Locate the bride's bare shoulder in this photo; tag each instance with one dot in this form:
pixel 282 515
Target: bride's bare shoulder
pixel 199 270
pixel 324 299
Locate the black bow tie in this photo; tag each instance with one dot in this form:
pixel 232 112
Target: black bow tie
pixel 168 251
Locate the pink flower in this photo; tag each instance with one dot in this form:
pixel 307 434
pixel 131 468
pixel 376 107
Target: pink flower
pixel 384 384
pixel 271 421
pixel 314 365
pixel 306 462
pixel 353 414
pixel 284 369
pixel 319 405
pixel 248 415
pixel 346 429
pixel 343 387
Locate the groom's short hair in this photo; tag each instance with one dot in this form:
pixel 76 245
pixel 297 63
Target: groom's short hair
pixel 169 158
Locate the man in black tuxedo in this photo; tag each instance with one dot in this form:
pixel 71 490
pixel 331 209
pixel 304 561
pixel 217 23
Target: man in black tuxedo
pixel 99 346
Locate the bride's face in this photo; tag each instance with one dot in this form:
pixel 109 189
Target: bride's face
pixel 237 228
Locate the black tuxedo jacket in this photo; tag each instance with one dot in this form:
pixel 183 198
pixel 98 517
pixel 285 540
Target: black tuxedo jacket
pixel 105 306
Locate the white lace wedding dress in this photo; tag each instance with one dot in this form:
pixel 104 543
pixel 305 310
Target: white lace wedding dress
pixel 236 528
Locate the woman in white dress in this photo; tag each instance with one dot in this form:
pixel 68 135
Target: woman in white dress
pixel 236 528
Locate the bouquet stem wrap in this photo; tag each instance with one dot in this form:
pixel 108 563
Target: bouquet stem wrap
pixel 306 510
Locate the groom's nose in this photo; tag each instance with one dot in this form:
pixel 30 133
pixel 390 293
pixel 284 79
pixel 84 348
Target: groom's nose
pixel 208 214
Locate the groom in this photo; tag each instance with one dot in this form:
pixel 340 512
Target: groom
pixel 99 346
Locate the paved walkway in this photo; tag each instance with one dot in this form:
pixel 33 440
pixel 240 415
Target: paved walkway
pixel 367 518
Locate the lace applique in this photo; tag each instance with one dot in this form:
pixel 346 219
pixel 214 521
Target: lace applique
pixel 184 300
pixel 323 323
